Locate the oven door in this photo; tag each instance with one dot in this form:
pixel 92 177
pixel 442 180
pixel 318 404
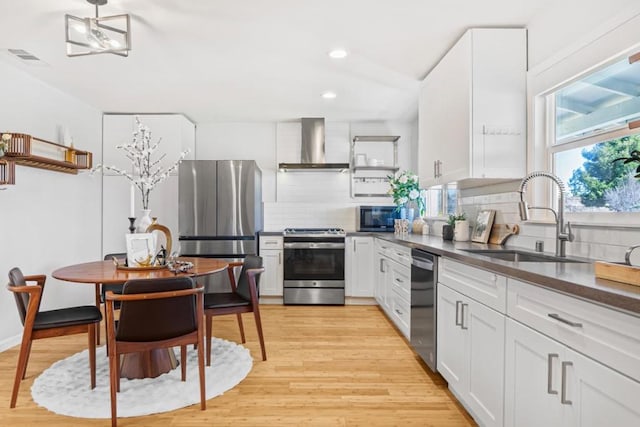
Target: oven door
pixel 318 262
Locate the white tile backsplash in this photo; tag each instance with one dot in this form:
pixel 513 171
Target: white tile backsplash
pixel 591 241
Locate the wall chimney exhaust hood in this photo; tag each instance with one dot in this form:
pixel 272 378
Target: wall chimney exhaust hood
pixel 312 151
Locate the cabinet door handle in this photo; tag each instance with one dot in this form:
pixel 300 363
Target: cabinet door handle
pixel 354 245
pixel 458 323
pixel 563 394
pixel 550 358
pixel 381 265
pixel 435 168
pixel 279 258
pixel 399 312
pixel 399 280
pixel 557 317
pixel 462 326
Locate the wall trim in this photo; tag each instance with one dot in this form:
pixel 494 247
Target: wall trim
pixel 10 342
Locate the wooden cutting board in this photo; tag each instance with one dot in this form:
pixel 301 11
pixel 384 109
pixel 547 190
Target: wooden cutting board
pixel 501 232
pixel 623 273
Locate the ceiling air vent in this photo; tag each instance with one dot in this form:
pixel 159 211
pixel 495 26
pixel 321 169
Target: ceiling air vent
pixel 24 55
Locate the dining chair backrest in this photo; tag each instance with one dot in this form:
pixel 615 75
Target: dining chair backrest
pixel 157 319
pixel 250 262
pixel 16 278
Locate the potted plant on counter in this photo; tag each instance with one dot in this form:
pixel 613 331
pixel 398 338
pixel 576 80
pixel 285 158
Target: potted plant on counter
pixel 447 229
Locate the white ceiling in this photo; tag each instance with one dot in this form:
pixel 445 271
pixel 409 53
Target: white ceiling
pixel 255 60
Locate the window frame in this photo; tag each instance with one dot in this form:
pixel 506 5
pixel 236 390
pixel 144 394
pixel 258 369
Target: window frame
pixel 581 59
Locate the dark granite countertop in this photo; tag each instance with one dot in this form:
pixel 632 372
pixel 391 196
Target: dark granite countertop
pixel 270 233
pixel 575 279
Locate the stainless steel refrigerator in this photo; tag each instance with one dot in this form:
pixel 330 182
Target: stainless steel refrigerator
pixel 220 211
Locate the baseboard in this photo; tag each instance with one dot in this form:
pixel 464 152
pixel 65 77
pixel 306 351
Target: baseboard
pixel 271 300
pixel 7 343
pixel 360 301
pixel 266 300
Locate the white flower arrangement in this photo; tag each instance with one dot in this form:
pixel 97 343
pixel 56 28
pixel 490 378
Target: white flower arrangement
pixel 147 173
pixel 405 188
pixel 4 141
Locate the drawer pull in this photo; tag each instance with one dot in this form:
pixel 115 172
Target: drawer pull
pixel 462 326
pixel 399 280
pixel 458 323
pixel 399 312
pixel 557 317
pixel 563 395
pixel 550 358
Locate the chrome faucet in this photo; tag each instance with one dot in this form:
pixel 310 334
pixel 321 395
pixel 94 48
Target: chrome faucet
pixel 563 234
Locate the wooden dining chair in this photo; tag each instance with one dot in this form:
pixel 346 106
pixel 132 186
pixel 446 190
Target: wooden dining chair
pixel 155 314
pixel 243 298
pixel 116 288
pixel 45 324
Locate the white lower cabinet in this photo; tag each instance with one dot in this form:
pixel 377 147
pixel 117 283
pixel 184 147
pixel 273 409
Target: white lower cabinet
pixel 471 353
pixel 359 277
pixel 392 268
pixel 271 282
pixel 381 279
pixel 549 384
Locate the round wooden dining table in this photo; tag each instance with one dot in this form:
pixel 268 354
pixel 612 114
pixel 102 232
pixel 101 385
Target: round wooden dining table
pixel 146 364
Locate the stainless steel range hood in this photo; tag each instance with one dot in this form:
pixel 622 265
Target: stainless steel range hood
pixel 312 153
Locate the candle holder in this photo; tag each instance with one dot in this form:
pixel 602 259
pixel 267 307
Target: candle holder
pixel 132 228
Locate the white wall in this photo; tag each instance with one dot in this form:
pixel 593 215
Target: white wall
pixel 307 199
pixel 48 219
pixel 558 29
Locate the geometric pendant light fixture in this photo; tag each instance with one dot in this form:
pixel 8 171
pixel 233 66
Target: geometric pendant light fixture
pixel 101 34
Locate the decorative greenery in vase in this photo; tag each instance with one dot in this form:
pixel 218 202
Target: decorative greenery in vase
pixel 147 173
pixel 453 218
pixel 405 188
pixel 4 143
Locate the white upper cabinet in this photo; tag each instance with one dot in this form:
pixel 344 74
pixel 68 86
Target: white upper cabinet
pixel 472 109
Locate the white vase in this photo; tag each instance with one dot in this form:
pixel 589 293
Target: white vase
pixel 144 221
pixel 461 231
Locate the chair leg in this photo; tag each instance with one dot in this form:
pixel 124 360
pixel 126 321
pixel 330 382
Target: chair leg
pixel 21 368
pixel 203 396
pixel 209 321
pixel 241 328
pixel 26 362
pixel 113 385
pixel 256 314
pixel 92 354
pixel 98 304
pixel 183 361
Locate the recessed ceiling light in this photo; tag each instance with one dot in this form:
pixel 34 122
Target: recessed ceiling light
pixel 329 95
pixel 338 53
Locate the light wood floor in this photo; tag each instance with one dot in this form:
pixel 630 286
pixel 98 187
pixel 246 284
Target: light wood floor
pixel 327 366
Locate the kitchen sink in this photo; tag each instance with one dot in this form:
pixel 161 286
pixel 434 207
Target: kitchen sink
pixel 518 255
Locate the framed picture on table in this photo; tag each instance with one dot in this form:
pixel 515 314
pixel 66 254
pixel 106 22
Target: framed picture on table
pixel 482 228
pixel 141 249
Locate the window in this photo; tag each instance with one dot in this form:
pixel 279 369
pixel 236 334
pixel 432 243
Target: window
pixel 597 120
pixel 442 200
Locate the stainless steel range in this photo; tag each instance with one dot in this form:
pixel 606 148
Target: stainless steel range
pixel 314 266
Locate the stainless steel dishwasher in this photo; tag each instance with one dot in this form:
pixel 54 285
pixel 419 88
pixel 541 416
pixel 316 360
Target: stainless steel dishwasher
pixel 424 277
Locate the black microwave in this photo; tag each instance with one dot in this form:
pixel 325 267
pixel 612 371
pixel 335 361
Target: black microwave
pixel 375 218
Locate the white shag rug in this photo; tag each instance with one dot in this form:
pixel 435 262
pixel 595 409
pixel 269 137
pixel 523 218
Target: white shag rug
pixel 64 387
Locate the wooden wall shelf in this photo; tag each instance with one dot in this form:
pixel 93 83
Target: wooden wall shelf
pixel 7 172
pixel 30 151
